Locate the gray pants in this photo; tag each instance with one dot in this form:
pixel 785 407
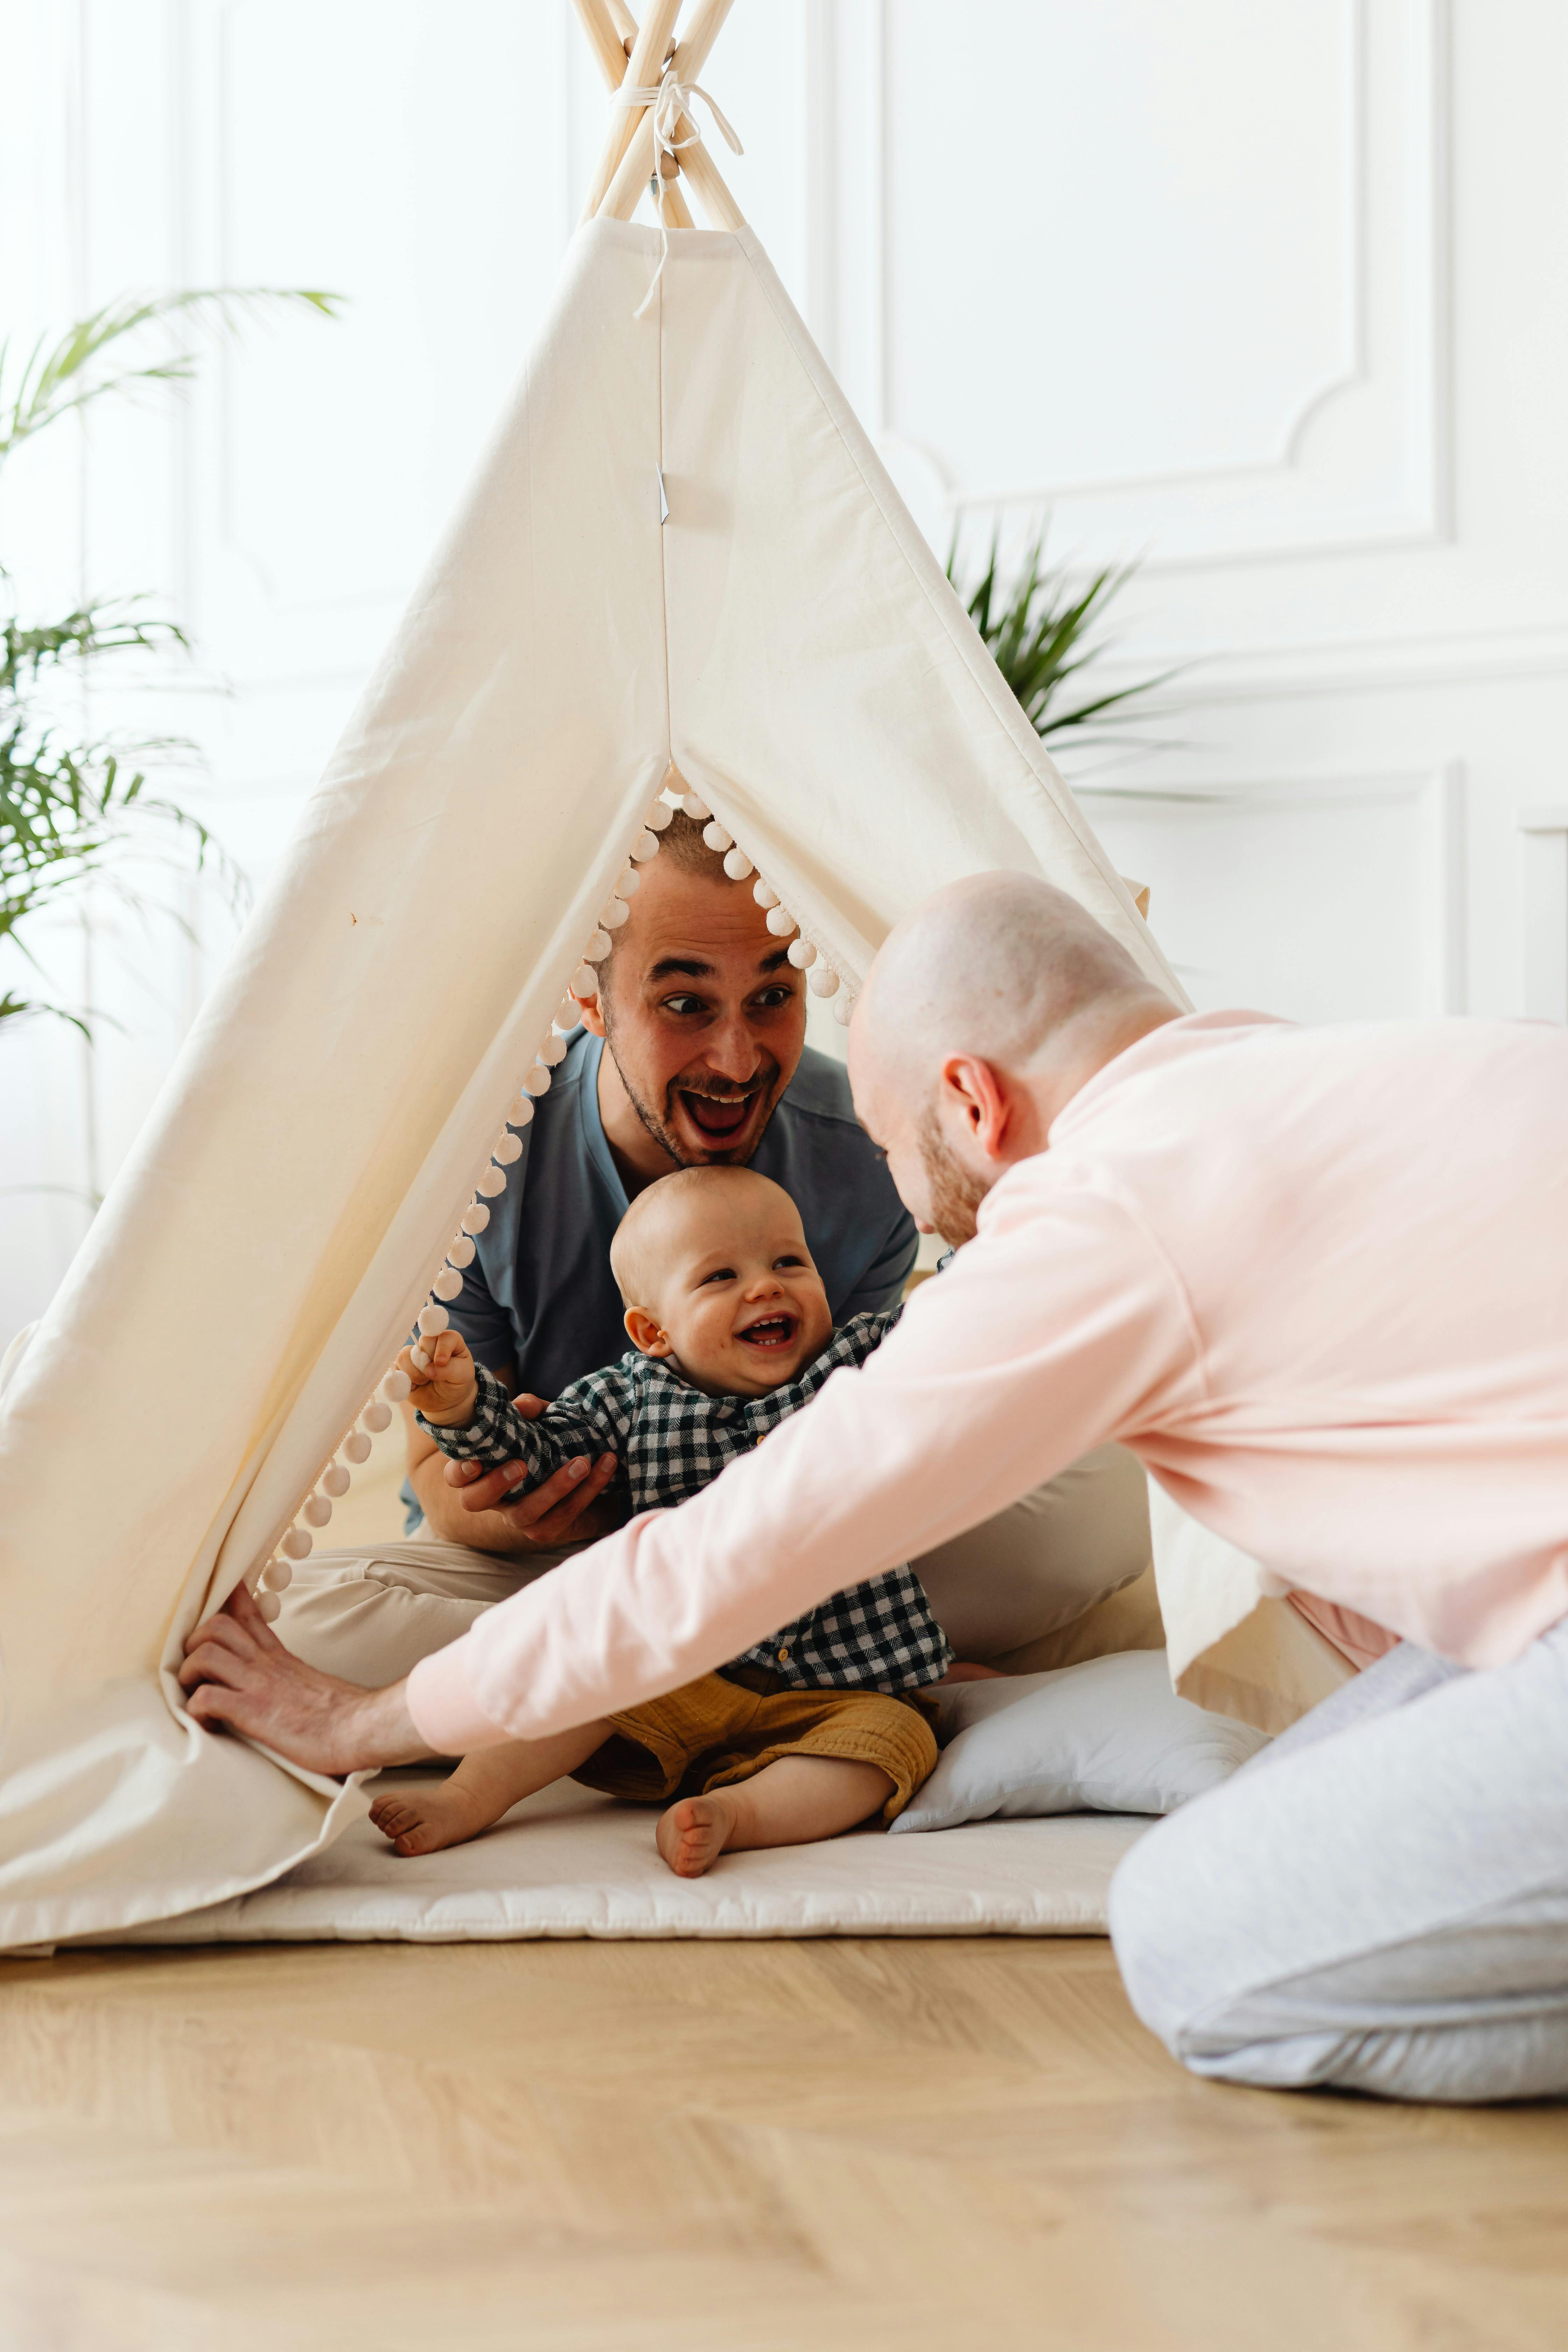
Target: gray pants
pixel 1380 1900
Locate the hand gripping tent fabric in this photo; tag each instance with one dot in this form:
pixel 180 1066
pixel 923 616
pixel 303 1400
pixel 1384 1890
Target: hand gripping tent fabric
pixel 679 564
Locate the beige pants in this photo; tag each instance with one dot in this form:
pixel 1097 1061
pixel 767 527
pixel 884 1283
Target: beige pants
pixel 1060 1576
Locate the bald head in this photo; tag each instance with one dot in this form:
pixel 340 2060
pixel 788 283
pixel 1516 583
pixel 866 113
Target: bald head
pixel 986 1012
pixel 997 965
pixel 667 1214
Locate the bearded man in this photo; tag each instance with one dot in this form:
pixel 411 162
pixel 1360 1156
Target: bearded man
pixel 693 1052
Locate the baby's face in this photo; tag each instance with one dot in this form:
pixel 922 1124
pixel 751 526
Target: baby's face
pixel 737 1302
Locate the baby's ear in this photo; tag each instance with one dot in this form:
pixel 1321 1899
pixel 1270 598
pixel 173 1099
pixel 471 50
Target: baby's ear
pixel 644 1333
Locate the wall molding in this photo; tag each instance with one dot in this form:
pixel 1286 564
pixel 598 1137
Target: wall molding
pixel 1370 664
pixel 1435 795
pixel 1280 508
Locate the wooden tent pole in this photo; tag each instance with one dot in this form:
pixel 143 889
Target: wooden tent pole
pixel 598 22
pixel 709 181
pixel 620 199
pixel 643 72
pixel 677 211
pixel 625 25
pixel 608 46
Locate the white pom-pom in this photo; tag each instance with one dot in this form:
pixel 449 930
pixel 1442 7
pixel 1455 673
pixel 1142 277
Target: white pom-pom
pixel 823 981
pixel 843 1011
pixel 737 865
pixel 376 1416
pixel 433 1319
pixel 448 1283
pixel 355 1447
pixel 553 1053
pixel 278 1575
pixel 802 954
pixel 597 948
pixel 419 1359
pixel 628 882
pixel 645 845
pixel 269 1607
pixel 781 922
pixel 696 807
pixel 566 1015
pixel 493 1182
pixel 462 1250
pixel 584 983
pixel 475 1217
pixel 658 817
pixel 613 914
pixel 508 1150
pixel 335 1481
pixel 521 1112
pixel 297 1545
pixel 537 1081
pixel 394 1388
pixel 716 837
pixel 763 896
pixel 315 1510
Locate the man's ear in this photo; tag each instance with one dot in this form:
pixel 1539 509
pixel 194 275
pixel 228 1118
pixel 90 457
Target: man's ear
pixel 977 1092
pixel 645 1334
pixel 593 1018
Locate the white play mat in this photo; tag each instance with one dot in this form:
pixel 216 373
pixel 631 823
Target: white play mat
pixel 569 1863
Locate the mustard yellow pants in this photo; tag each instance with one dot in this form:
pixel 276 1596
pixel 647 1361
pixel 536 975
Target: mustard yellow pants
pixel 723 1728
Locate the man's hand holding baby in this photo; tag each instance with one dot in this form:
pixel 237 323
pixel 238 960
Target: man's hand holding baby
pixel 441 1382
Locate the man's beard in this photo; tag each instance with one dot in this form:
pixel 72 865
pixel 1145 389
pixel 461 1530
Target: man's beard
pixel 659 1122
pixel 953 1195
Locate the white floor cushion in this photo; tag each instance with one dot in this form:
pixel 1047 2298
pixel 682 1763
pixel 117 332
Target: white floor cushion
pixel 1109 1735
pixel 568 1863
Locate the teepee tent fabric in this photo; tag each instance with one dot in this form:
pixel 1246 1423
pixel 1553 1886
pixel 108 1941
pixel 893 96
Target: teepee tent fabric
pixel 787 640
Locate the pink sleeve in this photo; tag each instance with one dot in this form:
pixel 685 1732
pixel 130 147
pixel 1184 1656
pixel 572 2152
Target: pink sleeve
pixel 1054 1331
pixel 1355 1637
pixel 446 1715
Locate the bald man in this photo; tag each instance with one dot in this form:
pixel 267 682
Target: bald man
pixel 1318 1281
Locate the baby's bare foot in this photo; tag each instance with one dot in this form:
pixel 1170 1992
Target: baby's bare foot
pixel 422 1822
pixel 693 1833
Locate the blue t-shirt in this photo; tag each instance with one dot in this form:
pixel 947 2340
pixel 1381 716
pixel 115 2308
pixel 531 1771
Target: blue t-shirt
pixel 540 1297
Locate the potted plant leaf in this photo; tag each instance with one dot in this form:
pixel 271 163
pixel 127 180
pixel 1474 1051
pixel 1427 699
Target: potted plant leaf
pixel 75 813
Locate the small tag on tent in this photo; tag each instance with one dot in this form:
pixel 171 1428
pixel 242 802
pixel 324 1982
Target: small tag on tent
pixel 663 501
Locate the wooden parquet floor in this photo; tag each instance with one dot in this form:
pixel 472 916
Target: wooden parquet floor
pixel 719 2148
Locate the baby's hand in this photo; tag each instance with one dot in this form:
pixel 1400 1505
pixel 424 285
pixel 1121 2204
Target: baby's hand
pixel 444 1387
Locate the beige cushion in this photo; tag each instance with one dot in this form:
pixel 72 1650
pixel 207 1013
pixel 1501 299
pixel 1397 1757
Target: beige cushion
pixel 1036 1567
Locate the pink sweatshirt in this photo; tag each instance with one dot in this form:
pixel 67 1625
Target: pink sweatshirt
pixel 1316 1278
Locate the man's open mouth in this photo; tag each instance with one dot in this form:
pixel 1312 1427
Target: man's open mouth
pixel 773 1331
pixel 719 1118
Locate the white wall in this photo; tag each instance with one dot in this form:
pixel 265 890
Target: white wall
pixel 1273 296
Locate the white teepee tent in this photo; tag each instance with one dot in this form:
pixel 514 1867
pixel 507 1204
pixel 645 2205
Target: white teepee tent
pixel 679 547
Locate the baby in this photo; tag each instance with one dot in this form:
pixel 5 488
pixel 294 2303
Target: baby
pixel 815 1728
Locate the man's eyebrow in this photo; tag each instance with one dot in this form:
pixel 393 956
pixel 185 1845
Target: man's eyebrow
pixel 692 966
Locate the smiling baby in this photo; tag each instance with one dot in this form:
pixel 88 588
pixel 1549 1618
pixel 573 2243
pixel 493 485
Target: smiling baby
pixel 813 1730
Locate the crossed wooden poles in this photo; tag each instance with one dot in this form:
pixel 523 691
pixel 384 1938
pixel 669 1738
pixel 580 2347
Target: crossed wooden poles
pixel 638 57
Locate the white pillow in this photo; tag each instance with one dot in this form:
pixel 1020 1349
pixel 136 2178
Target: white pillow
pixel 1107 1737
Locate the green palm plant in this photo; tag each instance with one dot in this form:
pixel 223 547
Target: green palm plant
pixel 69 812
pixel 1037 626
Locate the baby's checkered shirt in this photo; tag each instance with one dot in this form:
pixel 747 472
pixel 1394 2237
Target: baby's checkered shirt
pixel 672 1441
